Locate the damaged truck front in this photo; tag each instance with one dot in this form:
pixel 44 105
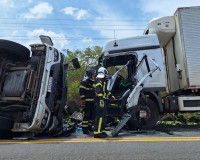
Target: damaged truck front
pixel 134 80
pixel 33 87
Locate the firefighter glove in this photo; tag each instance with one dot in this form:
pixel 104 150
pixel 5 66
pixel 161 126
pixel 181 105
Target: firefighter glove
pixel 112 98
pixel 101 103
pixel 82 103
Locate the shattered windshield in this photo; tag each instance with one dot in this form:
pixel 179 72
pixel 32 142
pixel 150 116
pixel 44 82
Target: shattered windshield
pixel 119 60
pixel 123 72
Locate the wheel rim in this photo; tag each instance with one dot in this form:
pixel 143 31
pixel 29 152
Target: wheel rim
pixel 143 121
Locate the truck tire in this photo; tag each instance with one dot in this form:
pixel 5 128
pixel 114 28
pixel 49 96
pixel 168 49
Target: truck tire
pixel 6 124
pixel 152 117
pixel 14 51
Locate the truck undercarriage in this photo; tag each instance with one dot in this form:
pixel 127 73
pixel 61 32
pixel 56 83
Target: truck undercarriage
pixel 19 85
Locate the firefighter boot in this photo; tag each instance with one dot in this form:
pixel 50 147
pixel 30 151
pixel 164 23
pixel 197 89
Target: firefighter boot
pixel 102 135
pixel 86 132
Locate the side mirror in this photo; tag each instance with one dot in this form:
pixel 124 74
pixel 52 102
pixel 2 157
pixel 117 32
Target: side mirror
pixel 76 64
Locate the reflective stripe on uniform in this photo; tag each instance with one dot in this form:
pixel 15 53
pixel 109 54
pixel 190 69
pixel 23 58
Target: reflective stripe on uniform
pixel 100 122
pixel 100 95
pixel 98 84
pixel 89 100
pixel 97 132
pixel 104 89
pixel 83 96
pixel 84 125
pixel 83 87
pixel 109 93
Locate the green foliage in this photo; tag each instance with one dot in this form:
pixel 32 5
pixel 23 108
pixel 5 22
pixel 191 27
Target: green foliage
pixel 171 123
pixel 73 89
pixel 162 94
pixel 182 119
pixel 88 58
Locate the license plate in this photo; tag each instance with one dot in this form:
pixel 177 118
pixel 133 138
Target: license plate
pixel 143 114
pixel 50 84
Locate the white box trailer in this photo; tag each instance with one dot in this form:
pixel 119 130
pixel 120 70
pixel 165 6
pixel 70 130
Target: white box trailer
pixel 179 37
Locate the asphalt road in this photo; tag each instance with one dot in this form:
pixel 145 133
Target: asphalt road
pixel 161 143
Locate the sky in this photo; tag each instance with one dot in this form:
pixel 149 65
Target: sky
pixel 77 24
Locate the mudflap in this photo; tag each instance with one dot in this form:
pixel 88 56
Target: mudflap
pixel 121 124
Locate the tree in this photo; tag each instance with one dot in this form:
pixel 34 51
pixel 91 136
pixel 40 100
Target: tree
pixel 88 58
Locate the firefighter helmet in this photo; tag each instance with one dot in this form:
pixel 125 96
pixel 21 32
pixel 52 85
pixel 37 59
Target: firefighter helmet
pixel 102 72
pixel 90 73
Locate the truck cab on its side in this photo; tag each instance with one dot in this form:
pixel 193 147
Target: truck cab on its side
pixel 33 87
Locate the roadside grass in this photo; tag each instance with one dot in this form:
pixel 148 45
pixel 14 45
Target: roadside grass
pixel 180 119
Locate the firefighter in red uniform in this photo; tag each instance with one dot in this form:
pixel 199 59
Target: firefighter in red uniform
pixel 87 94
pixel 100 99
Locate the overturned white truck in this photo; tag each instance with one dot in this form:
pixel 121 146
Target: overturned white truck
pixel 172 43
pixel 33 87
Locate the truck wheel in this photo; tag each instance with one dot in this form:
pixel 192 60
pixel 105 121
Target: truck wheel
pixel 150 121
pixel 14 51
